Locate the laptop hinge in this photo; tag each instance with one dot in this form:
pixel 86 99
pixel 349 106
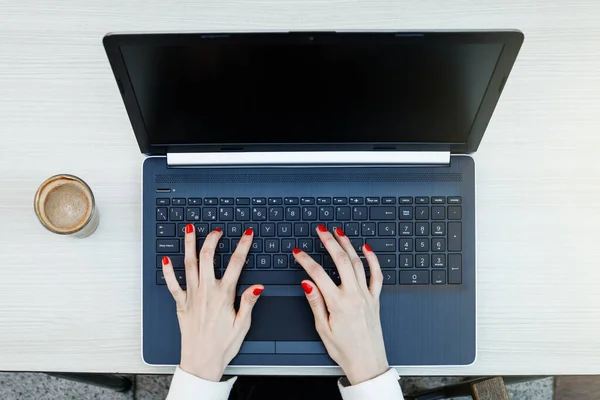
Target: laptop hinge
pixel 309 158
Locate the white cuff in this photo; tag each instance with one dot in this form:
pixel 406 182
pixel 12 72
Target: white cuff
pixel 383 387
pixel 186 386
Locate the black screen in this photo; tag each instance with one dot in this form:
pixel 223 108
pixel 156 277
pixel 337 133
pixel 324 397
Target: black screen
pixel 222 91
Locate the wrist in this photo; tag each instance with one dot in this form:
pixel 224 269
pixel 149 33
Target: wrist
pixel 209 371
pixel 365 373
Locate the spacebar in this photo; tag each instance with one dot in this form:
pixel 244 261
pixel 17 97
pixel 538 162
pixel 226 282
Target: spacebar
pixel 272 277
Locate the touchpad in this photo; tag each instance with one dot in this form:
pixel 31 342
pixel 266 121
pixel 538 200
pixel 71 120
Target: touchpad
pixel 282 318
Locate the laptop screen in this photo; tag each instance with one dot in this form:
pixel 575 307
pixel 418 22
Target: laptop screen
pixel 215 90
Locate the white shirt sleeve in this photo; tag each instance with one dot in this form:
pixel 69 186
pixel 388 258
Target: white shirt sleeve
pixel 383 387
pixel 186 386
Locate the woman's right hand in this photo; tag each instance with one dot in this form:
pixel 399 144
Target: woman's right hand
pixel 347 316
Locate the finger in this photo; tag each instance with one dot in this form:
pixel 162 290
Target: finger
pixel 190 260
pixel 238 259
pixel 376 275
pixel 318 307
pixel 207 256
pixel 247 302
pixel 340 257
pixel 357 264
pixel 317 273
pixel 176 290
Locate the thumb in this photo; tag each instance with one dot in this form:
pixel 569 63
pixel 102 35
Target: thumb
pixel 317 304
pixel 247 302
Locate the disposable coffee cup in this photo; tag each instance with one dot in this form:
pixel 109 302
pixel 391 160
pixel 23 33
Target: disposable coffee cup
pixel 65 205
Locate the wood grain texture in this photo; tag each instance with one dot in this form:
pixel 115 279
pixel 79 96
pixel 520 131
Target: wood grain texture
pixel 490 389
pixel 74 305
pixel 577 387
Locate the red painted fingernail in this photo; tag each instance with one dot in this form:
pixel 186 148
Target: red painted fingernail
pixel 322 228
pixel 296 250
pixel 218 229
pixel 189 228
pixel 367 247
pixel 339 232
pixel 248 232
pixel 257 291
pixel 165 260
pixel 307 288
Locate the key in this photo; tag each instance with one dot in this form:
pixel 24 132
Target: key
pixel 216 225
pixel 259 201
pixel 359 213
pixel 335 276
pixel 357 243
pixel 257 246
pixel 422 260
pixel 280 261
pixel 405 228
pixel 421 212
pixel 167 245
pixel 209 214
pixel 422 229
pixel 176 214
pixel 211 201
pixel 291 201
pixel 356 200
pixel 382 244
pixel 454 200
pixel 421 245
pixel 267 230
pixel 292 213
pixel 316 257
pixel 284 229
pixel 271 245
pixel 422 200
pixel 242 201
pixel 276 214
pixel 242 214
pixel 454 269
pixel 160 278
pixel 405 212
pixel 301 229
pixel 332 225
pixel 438 260
pixel 372 200
pixel 405 200
pixel 438 228
pixel 454 236
pixel 309 213
pixel 351 228
pixel 438 277
pixel 226 201
pixel 163 202
pixel 406 245
pixel 249 263
pixel 438 212
pixel 414 278
pixel 438 244
pixel 368 229
pixel 201 229
pixel 342 213
pixel 176 261
pixel 388 200
pixel 340 201
pixel 178 202
pixel 387 228
pixel 226 214
pixel 263 261
pixel 253 226
pixel 406 261
pixel 288 245
pixel 383 213
pixel 234 230
pixel 328 261
pixel 234 244
pixel 194 202
pixel 438 200
pixel 223 246
pixel 454 212
pixel 192 214
pixel 275 201
pixel 324 201
pixel 307 200
pixel 306 245
pixel 389 276
pixel 326 213
pixel 259 213
pixel 387 260
pixel 217 262
pixel 163 230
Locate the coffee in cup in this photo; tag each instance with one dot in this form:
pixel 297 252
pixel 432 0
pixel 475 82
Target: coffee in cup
pixel 65 204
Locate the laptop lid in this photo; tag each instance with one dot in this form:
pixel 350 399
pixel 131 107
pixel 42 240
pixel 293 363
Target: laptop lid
pixel 311 91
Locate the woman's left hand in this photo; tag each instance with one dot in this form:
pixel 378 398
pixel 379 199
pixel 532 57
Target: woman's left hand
pixel 211 330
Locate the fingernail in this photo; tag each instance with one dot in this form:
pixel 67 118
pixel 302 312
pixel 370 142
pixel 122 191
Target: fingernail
pixel 248 232
pixel 367 247
pixel 296 250
pixel 218 230
pixel 322 228
pixel 339 232
pixel 189 228
pixel 307 288
pixel 257 291
pixel 165 260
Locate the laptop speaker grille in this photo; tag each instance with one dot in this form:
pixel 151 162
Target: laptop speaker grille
pixel 306 178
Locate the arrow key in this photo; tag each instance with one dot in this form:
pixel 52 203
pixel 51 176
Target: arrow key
pixel 389 276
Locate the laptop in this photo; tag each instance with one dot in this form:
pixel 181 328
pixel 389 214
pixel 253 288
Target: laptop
pixel 367 131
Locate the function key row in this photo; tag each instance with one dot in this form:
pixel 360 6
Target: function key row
pixel 244 201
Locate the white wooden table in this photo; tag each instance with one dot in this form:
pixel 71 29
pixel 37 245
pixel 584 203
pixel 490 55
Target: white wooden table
pixel 74 305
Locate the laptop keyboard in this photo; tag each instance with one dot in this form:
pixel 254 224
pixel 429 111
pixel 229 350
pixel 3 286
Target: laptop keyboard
pixel 418 240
